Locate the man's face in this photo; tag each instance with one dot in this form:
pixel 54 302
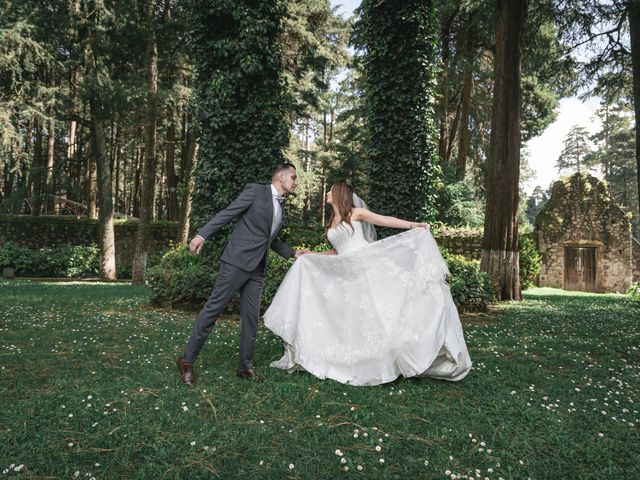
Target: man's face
pixel 289 180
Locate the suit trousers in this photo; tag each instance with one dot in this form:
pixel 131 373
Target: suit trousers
pixel 230 280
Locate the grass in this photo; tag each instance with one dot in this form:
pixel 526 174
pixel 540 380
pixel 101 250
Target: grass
pixel 88 388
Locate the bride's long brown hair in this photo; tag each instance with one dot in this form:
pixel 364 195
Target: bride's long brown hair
pixel 342 203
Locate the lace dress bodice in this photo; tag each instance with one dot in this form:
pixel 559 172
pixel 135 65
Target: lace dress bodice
pixel 345 239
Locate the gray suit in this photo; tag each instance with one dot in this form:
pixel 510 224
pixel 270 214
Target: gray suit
pixel 243 265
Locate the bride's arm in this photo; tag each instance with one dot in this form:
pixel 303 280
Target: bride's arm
pixel 362 214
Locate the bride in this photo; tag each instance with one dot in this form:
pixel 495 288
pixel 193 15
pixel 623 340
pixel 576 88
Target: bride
pixel 368 311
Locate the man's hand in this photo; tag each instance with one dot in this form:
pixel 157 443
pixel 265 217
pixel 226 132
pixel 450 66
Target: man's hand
pixel 196 245
pixel 300 253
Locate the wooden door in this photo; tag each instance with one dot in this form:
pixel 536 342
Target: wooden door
pixel 580 268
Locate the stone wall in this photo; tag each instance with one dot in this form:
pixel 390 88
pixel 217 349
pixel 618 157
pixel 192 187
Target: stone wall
pixel 467 244
pixel 581 212
pixel 38 232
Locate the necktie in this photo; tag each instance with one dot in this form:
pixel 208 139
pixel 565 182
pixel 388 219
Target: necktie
pixel 277 213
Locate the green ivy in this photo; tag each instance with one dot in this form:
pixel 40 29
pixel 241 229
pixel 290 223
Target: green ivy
pixel 239 101
pixel 530 262
pixel 398 41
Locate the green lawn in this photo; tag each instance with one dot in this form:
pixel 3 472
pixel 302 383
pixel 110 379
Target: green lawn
pixel 88 388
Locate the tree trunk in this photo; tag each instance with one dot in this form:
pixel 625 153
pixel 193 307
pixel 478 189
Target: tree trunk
pixel 92 184
pixel 72 138
pixel 118 154
pixel 634 30
pixel 445 39
pixel 500 241
pixel 451 136
pixel 467 88
pixel 105 218
pixel 51 136
pixel 37 168
pixel 148 179
pixel 135 198
pixel 191 156
pixel 170 168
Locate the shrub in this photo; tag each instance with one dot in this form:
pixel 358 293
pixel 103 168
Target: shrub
pixel 634 291
pixel 45 262
pixel 470 287
pixel 530 261
pixel 16 256
pixel 278 268
pixel 81 261
pixel 68 261
pixel 181 278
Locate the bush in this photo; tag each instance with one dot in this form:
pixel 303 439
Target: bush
pixel 278 268
pixel 45 262
pixel 470 287
pixel 634 291
pixel 16 256
pixel 181 278
pixel 81 261
pixel 530 261
pixel 66 261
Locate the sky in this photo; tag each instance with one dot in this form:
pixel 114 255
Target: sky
pixel 544 150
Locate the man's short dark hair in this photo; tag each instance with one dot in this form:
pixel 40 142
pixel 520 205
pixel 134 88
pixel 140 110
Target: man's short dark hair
pixel 281 167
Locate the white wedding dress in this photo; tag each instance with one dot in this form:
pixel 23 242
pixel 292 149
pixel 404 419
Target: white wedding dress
pixel 371 313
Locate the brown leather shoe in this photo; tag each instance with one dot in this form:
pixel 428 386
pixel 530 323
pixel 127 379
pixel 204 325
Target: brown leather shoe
pixel 187 374
pixel 249 374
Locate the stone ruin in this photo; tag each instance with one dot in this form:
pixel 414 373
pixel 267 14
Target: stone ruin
pixel 585 239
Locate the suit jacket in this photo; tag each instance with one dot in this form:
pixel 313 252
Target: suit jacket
pixel 251 238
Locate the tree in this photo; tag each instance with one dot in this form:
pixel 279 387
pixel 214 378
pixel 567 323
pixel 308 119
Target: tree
pixel 612 30
pixel 536 201
pixel 149 168
pixel 615 155
pixel 397 39
pixel 634 27
pixel 576 148
pixel 239 97
pixel 500 239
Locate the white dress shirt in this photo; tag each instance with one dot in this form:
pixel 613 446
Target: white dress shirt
pixel 277 209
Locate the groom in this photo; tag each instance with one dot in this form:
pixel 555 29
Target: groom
pixel 243 265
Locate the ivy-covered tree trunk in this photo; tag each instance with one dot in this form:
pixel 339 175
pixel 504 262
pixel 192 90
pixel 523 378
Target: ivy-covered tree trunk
pixel 398 38
pixel 240 105
pixel 500 241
